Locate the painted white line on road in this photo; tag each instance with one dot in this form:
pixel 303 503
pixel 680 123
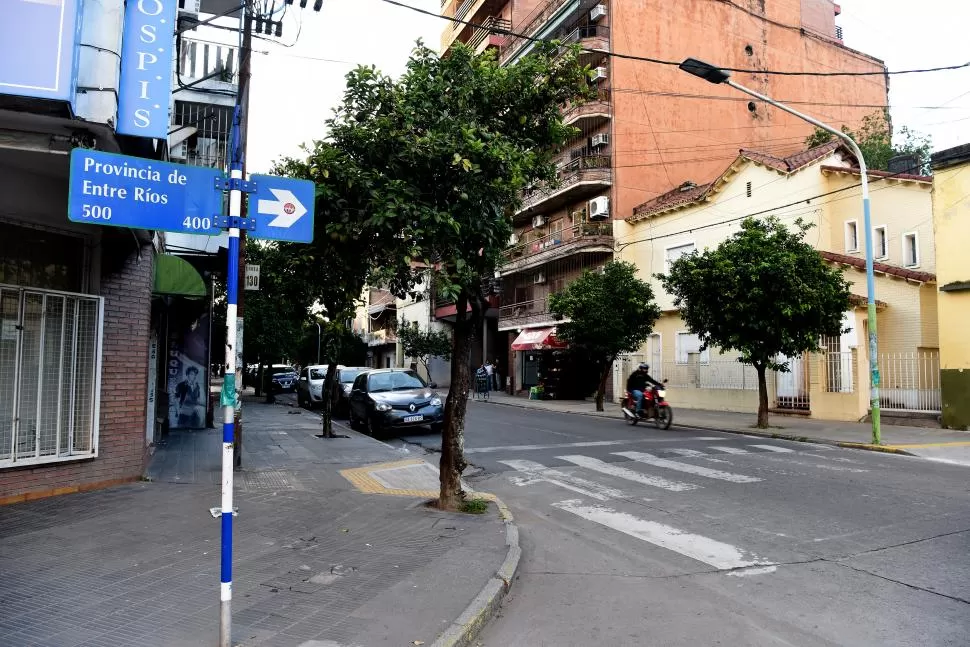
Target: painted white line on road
pixel 775 448
pixel 688 453
pixel 761 570
pixel 698 470
pixel 624 473
pixel 729 450
pixel 591 443
pixel 539 472
pixel 820 466
pixel 704 549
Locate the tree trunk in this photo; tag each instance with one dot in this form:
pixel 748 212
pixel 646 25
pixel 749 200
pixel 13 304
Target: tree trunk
pixel 762 396
pixel 453 431
pixel 268 384
pixel 601 391
pixel 328 392
pixel 259 379
pixel 427 369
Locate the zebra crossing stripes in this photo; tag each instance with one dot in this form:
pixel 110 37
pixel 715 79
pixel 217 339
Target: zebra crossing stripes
pixel 610 469
pixel 687 453
pixel 687 468
pixel 775 448
pixel 729 450
pixel 539 472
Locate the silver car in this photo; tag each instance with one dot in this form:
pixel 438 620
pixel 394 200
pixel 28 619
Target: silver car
pixel 309 388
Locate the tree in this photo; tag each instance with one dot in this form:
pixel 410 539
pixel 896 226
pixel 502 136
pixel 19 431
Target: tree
pixel 764 293
pixel 876 143
pixel 610 312
pixel 444 153
pixel 423 345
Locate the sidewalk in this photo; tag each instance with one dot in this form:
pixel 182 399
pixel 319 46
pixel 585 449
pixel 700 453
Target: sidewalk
pixel 317 561
pixel 936 444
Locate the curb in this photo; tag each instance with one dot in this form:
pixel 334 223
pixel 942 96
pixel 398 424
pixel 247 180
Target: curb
pixel 463 630
pixel 885 449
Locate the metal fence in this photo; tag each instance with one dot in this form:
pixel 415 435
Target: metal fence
pixel 715 374
pixel 839 375
pixel 50 350
pixel 910 381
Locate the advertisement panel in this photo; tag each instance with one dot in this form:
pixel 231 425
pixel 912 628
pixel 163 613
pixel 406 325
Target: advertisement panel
pixel 188 375
pixel 147 56
pixel 39 48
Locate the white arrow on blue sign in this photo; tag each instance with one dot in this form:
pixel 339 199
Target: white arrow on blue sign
pixel 282 208
pixel 123 191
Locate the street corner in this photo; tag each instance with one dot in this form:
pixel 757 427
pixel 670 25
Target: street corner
pixel 411 477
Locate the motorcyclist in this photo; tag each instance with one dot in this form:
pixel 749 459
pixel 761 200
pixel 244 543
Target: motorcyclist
pixel 638 382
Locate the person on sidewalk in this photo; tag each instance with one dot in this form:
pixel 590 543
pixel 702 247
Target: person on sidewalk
pixel 489 374
pixel 496 379
pixel 638 382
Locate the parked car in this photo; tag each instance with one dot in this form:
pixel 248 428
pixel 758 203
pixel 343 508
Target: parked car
pixel 309 388
pixel 283 378
pixel 345 380
pixel 393 398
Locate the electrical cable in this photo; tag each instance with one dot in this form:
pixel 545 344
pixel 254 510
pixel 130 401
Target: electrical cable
pixel 658 61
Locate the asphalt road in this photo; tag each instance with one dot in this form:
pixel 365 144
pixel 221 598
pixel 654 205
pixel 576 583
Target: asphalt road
pixel 636 536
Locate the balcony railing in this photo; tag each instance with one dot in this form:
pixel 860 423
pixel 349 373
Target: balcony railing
pixel 487 32
pixel 591 170
pixel 565 240
pixel 530 24
pixel 199 59
pixel 595 108
pixel 381 337
pixel 524 313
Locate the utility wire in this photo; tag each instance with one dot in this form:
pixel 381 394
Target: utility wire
pixel 658 61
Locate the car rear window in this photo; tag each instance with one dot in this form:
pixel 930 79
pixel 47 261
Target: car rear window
pixel 317 374
pixel 348 375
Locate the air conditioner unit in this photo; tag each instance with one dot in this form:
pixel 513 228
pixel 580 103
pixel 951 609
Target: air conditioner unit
pixel 599 208
pixel 538 221
pixel 597 12
pixel 514 239
pixel 178 152
pixel 600 139
pixel 539 278
pixel 190 6
pixel 599 75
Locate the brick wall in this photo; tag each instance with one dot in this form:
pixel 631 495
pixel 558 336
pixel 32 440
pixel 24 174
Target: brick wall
pixel 124 382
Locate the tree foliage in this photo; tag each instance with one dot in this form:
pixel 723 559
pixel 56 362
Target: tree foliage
pixel 434 164
pixel 609 313
pixel 875 140
pixel 423 344
pixel 764 293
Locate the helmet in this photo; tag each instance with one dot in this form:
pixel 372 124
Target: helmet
pixel 644 367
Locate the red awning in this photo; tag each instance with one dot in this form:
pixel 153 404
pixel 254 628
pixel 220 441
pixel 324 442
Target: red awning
pixel 537 339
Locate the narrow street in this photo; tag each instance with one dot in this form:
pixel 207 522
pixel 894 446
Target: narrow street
pixel 635 536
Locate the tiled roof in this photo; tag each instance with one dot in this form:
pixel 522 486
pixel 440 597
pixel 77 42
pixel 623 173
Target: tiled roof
pixel 858 300
pixel 794 162
pixel 884 174
pixel 883 268
pixel 677 197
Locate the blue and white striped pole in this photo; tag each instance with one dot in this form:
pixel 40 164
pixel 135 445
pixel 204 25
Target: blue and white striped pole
pixel 229 391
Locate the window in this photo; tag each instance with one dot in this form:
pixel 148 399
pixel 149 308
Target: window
pixel 880 242
pixel 747 189
pixel 673 253
pixel 910 250
pixel 689 344
pixel 852 236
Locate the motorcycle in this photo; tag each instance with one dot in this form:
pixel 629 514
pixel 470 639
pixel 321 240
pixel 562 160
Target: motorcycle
pixel 655 408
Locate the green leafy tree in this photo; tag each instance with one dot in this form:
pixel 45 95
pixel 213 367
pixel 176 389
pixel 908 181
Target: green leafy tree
pixel 441 156
pixel 764 293
pixel 423 345
pixel 610 312
pixel 876 143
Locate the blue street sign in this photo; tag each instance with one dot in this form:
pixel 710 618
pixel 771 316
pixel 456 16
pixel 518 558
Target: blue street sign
pixel 282 208
pixel 123 191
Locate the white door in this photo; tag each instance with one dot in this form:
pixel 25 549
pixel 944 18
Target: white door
pixel 655 353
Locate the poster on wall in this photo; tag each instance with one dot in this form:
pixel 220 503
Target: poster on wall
pixel 188 384
pixel 152 385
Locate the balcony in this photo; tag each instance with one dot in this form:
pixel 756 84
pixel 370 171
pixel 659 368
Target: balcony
pixel 531 24
pixel 534 251
pixel 207 66
pixel 591 115
pixel 473 11
pixel 525 314
pixel 486 36
pixel 381 337
pixel 578 178
pixel 594 39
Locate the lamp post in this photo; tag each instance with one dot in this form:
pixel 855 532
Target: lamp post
pixel 318 342
pixel 717 76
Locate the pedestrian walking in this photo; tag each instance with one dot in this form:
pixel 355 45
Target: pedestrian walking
pixel 489 372
pixel 496 378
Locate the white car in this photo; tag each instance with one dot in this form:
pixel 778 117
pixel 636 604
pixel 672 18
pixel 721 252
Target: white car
pixel 309 388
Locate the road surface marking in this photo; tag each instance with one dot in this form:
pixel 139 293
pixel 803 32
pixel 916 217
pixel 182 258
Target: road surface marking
pixel 761 570
pixel 539 472
pixel 821 466
pixel 591 443
pixel 698 470
pixel 688 453
pixel 775 448
pixel 704 549
pixel 624 473
pixel 729 450
pixel 927 445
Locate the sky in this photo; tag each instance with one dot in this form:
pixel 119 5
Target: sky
pixel 295 89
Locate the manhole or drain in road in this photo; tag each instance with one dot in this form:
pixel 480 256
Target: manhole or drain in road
pixel 267 480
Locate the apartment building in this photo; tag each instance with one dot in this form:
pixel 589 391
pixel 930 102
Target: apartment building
pixel 651 127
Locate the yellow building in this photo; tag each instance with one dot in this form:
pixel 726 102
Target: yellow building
pixel 821 187
pixel 951 218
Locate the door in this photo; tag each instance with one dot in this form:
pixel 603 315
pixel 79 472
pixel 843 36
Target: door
pixel 357 396
pixel 655 353
pixel 791 387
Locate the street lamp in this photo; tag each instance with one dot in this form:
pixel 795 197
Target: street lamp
pixel 715 75
pixel 318 342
